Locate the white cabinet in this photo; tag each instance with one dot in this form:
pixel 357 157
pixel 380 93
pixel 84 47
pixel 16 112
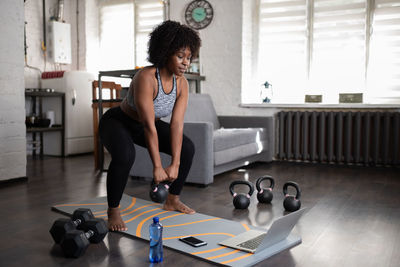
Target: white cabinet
pixel 77 86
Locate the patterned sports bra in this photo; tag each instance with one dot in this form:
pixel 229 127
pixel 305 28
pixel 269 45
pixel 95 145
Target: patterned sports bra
pixel 163 102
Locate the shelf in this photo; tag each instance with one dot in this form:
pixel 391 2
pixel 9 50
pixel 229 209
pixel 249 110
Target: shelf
pixel 36 95
pixel 107 100
pixel 194 76
pixel 119 73
pixel 43 129
pixel 47 94
pixel 190 76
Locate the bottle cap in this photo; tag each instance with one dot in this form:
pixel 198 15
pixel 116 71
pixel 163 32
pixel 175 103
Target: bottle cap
pixel 156 220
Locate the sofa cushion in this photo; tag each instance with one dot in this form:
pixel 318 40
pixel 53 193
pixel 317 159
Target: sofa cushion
pixel 201 109
pixel 226 138
pixel 239 152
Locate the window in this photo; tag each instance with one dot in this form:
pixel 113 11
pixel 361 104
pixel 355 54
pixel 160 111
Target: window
pixel 384 58
pixel 327 47
pixel 116 35
pixel 283 48
pixel 124 29
pixel 148 14
pixel 338 48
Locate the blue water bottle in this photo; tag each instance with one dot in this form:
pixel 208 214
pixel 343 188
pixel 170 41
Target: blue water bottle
pixel 156 248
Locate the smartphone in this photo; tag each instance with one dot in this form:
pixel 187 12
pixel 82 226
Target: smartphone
pixel 193 241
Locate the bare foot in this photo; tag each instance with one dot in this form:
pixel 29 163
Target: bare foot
pixel 115 222
pixel 173 203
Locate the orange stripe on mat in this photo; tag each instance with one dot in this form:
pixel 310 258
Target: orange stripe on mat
pixel 223 255
pixel 97 212
pixel 246 227
pixel 129 207
pixel 213 219
pixel 175 237
pixel 130 212
pixel 139 227
pixel 131 219
pixel 236 259
pixel 216 249
pixel 206 251
pixel 173 215
pixel 124 214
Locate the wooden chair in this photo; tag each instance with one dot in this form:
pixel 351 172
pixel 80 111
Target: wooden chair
pixel 114 100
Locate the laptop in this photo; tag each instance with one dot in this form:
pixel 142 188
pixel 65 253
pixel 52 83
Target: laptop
pixel 254 241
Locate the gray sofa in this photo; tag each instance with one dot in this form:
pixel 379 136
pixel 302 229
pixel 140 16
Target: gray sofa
pixel 222 143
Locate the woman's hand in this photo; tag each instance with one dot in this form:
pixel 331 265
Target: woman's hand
pixel 159 175
pixel 172 172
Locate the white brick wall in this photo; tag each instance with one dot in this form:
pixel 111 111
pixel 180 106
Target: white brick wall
pixel 92 36
pixel 34 37
pixel 220 54
pixel 14 78
pixel 12 105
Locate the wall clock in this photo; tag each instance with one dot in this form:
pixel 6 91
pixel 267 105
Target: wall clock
pixel 199 14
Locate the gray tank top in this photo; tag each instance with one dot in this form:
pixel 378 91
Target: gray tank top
pixel 163 102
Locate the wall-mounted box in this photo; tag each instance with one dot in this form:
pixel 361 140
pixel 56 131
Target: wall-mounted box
pixel 351 98
pixel 59 42
pixel 313 99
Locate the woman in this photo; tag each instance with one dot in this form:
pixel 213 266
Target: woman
pixel 156 91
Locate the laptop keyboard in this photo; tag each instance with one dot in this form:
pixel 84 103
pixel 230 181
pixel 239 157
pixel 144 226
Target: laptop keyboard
pixel 252 243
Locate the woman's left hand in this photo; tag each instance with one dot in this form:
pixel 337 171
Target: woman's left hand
pixel 172 172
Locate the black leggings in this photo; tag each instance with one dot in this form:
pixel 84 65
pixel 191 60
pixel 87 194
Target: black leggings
pixel 118 133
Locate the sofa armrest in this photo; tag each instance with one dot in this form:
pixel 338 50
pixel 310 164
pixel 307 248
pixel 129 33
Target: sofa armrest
pixel 201 134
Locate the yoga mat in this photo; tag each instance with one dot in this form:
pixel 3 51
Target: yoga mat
pixel 138 213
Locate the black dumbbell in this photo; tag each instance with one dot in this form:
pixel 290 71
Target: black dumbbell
pixel 64 225
pixel 75 242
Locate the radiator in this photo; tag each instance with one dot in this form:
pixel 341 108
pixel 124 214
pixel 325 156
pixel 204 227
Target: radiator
pixel 362 138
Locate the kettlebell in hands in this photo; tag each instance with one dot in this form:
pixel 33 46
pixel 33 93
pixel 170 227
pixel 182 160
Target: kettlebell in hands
pixel 159 192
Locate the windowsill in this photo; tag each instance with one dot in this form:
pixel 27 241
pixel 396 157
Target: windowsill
pixel 324 106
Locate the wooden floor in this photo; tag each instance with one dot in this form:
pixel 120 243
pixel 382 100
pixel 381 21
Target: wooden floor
pixel 353 217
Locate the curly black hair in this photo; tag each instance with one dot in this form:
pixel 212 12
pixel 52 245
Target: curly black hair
pixel 167 38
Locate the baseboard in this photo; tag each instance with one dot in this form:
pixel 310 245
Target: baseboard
pixel 12 181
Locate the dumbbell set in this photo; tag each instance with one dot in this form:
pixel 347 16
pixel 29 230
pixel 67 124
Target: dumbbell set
pixel 242 201
pixel 74 235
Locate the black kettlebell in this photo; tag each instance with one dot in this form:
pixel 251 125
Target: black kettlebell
pixel 159 192
pixel 291 203
pixel 241 201
pixel 265 195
